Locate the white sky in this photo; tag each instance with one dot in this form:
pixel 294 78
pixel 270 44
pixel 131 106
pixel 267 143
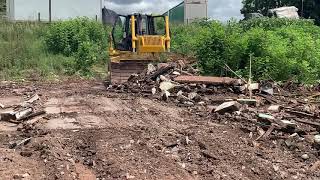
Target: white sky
pixel 218 9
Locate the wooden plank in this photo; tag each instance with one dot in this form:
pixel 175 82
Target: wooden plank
pixel 206 80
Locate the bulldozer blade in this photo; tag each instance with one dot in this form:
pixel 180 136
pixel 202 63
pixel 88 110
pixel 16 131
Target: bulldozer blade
pixel 121 71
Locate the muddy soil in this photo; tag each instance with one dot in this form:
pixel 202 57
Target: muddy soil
pixel 89 133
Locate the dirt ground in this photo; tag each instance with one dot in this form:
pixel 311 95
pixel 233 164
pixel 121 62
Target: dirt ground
pixel 89 133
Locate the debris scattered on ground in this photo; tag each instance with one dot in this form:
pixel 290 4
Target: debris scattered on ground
pixel 22 112
pixel 17 144
pixel 259 103
pixel 147 133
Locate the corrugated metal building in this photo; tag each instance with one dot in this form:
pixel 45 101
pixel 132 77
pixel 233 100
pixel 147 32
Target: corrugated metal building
pixel 188 11
pixel 46 10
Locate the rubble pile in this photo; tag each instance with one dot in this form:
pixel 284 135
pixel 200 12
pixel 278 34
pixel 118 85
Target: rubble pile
pixel 173 81
pixel 270 109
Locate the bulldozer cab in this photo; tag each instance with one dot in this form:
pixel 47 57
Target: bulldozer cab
pixel 141 33
pixel 136 40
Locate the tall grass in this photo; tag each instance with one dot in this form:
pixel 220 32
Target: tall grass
pixel 2 8
pixel 23 54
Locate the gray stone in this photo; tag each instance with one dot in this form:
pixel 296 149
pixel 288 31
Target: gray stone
pixel 176 73
pixel 163 78
pixel 154 91
pixel 192 95
pixel 165 95
pixel 166 86
pixel 266 116
pixel 253 86
pixel 267 90
pixel 182 98
pixel 287 124
pixel 305 156
pixel 180 93
pixel 151 69
pixel 274 108
pixel 228 107
pixel 252 102
pixel 317 139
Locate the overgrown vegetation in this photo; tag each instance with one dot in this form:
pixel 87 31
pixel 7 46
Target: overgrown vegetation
pixel 83 39
pixel 280 49
pixel 23 53
pixel 50 50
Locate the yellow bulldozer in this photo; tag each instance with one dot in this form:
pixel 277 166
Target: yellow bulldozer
pixel 136 40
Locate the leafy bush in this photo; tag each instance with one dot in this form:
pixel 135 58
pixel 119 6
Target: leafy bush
pixel 23 54
pixel 185 38
pixel 274 23
pixel 84 39
pixel 281 49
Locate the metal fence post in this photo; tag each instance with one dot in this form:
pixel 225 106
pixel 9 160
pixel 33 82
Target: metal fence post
pixel 50 11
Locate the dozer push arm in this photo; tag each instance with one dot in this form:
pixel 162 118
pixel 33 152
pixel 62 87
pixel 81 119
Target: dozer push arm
pixel 167 39
pixel 133 32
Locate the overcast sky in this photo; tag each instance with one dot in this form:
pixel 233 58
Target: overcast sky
pixel 217 9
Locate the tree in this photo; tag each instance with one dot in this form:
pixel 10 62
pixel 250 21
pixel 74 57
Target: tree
pixel 309 9
pixel 2 7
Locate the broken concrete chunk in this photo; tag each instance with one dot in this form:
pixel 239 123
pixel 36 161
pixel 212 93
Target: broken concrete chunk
pixel 166 86
pixel 253 86
pixel 305 156
pixel 23 113
pixel 33 98
pixel 251 102
pixel 151 69
pixel 228 107
pixel 154 91
pixel 201 103
pixel 192 95
pixel 19 143
pixel 265 116
pixel 317 139
pixel 165 95
pixel 188 103
pixel 176 73
pixel 274 108
pixel 267 90
pixel 181 98
pixel 180 93
pixel 163 78
pixel 287 124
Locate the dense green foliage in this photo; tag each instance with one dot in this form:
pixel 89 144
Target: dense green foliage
pixel 311 8
pixel 23 53
pixel 280 49
pixel 84 39
pixel 2 7
pixel 49 50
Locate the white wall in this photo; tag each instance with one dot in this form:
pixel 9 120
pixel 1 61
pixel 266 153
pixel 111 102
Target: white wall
pixel 27 10
pixel 195 9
